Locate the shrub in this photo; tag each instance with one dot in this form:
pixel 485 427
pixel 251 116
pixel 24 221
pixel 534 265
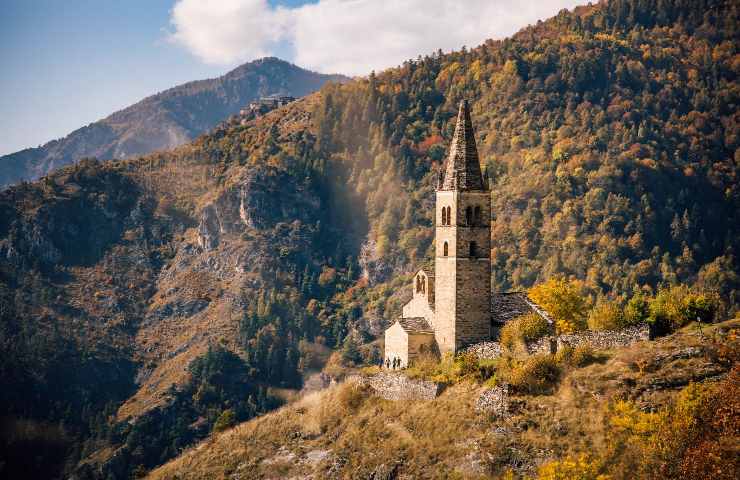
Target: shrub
pixel 606 316
pixel 351 395
pixel 227 419
pixel 563 300
pixel 537 374
pixel 583 355
pixel 524 329
pixel 677 306
pixel 581 468
pixel 580 356
pixel 637 310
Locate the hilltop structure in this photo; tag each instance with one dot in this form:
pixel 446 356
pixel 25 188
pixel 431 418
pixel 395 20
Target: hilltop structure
pixel 452 304
pixel 263 105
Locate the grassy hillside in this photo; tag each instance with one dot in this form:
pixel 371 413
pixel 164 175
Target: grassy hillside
pixel 610 134
pixel 653 410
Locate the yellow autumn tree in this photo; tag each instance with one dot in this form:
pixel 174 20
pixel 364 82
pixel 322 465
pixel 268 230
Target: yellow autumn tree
pixel 563 300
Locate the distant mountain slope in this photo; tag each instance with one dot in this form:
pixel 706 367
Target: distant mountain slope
pixel 165 120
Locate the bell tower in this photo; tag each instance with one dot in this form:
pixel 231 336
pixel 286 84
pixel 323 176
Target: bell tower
pixel 462 244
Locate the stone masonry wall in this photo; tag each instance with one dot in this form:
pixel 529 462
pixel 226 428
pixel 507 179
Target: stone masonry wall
pixel 462 284
pixel 473 306
pixel 419 307
pixel 397 386
pixel 597 340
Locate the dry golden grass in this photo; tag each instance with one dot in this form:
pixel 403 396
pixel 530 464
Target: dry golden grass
pixel 446 437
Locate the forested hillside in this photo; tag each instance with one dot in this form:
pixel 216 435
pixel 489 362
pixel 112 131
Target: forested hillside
pixel 611 138
pixel 165 120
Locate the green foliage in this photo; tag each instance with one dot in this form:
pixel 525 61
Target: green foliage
pixel 350 353
pixel 606 315
pixel 676 306
pixel 524 329
pixel 637 309
pixel 220 394
pixel 226 420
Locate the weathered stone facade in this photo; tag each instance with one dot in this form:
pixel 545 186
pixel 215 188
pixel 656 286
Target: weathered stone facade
pixel 462 245
pixel 454 297
pixel 422 301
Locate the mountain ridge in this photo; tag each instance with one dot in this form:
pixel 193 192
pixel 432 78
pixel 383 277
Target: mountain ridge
pixel 165 119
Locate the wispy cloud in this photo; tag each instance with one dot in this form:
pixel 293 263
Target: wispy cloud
pixel 348 36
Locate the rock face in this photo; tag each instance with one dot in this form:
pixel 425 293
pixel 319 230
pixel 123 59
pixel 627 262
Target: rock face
pixel 397 386
pixel 165 120
pixel 259 199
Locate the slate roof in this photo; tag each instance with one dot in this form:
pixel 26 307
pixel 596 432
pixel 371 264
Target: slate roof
pixel 415 325
pixel 509 305
pixel 462 171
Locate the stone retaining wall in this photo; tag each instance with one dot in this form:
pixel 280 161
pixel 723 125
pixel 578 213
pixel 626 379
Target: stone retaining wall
pixel 485 350
pixel 604 340
pixel 397 386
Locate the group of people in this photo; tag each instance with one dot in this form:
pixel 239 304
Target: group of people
pixel 392 364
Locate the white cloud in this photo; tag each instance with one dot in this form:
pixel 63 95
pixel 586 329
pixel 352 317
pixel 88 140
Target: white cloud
pixel 348 36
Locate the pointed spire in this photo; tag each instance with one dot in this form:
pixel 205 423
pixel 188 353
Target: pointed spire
pixel 462 171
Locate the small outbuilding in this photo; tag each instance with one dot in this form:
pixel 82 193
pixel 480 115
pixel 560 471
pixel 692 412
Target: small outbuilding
pixel 407 339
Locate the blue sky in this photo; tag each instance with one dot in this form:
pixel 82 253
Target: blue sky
pixel 67 63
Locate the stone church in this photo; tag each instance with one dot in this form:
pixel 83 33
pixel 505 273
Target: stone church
pixel 452 304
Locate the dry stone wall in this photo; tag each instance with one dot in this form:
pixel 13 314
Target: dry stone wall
pixel 397 386
pixel 603 340
pixel 485 350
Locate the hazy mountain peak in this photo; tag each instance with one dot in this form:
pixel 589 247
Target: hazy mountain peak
pixel 166 119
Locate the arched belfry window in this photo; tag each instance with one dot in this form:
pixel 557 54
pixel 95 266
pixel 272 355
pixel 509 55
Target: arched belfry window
pixel 469 216
pixel 418 284
pixel 473 249
pixel 445 249
pixel 423 285
pixel 449 216
pixel 476 216
pixel 444 215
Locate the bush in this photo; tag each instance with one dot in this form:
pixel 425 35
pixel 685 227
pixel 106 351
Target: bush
pixel 581 468
pixel 606 316
pixel 524 329
pixel 351 395
pixel 637 310
pixel 579 356
pixel 226 420
pixel 677 306
pixel 537 374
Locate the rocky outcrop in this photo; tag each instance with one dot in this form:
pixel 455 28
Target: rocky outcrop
pixel 494 401
pixel 209 228
pixel 260 199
